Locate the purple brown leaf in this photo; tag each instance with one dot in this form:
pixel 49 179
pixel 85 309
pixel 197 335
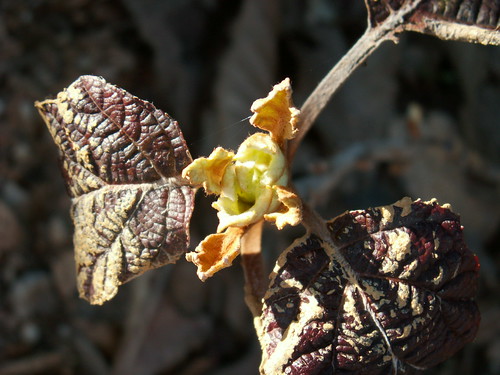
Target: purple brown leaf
pixel 122 161
pixel 390 291
pixel 475 21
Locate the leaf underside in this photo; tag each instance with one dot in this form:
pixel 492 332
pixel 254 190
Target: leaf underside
pixel 475 21
pixel 121 159
pixel 389 292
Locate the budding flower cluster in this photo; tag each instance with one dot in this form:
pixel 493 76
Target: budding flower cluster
pixel 252 184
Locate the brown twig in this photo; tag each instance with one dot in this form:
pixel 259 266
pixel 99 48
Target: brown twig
pixel 253 268
pixel 364 47
pixel 314 223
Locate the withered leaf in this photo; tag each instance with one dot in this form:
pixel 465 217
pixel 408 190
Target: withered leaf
pixel 390 291
pixel 475 21
pixel 122 161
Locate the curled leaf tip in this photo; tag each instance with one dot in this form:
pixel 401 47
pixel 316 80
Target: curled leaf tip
pixel 276 113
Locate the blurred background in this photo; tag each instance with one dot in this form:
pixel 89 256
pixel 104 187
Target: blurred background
pixel 420 118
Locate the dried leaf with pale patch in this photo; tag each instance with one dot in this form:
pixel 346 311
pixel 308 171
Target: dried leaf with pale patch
pixel 122 160
pixel 216 251
pixel 473 21
pixel 276 113
pixel 386 290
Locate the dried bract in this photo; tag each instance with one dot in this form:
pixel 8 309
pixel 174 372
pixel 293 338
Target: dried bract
pixel 276 113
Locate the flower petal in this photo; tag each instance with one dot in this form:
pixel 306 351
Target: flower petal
pixel 292 213
pixel 209 171
pixel 267 157
pixel 276 113
pixel 216 251
pixel 267 201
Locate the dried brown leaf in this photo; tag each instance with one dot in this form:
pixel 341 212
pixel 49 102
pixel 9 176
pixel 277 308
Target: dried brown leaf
pixel 391 289
pixel 121 159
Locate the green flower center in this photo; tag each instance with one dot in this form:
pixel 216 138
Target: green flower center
pixel 247 183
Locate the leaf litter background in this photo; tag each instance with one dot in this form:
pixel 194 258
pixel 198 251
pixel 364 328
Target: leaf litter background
pixel 420 119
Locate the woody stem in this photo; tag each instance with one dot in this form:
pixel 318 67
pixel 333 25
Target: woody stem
pixel 253 268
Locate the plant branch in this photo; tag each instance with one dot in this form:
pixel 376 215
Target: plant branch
pixel 313 222
pixel 253 268
pixel 364 47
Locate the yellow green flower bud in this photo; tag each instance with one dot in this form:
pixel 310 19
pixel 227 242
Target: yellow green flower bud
pixel 248 185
